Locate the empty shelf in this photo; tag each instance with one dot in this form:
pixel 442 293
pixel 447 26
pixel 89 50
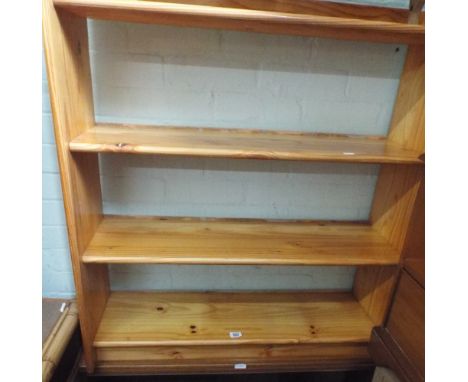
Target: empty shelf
pixel 164 319
pixel 235 143
pixel 121 239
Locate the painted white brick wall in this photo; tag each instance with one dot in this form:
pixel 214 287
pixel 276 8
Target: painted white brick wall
pixel 57 277
pixel 168 186
pixel 167 75
pixel 179 76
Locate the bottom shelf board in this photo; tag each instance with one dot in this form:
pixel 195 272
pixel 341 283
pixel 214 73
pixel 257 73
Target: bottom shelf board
pixel 181 319
pixel 231 332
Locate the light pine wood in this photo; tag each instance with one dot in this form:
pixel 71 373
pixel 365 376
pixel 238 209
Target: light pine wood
pixel 394 198
pixel 237 143
pixel 414 248
pixel 289 331
pixel 201 353
pixel 306 7
pixel 221 359
pixel 397 187
pixel 58 339
pixel 408 122
pixel 373 286
pixel 66 52
pixel 236 241
pixel 177 319
pixel 400 343
pixel 147 332
pixel 308 18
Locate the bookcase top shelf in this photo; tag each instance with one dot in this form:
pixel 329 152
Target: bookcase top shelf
pixel 139 240
pixel 300 17
pixel 237 143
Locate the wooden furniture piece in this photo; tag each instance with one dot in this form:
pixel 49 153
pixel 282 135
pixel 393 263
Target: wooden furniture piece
pixel 208 332
pixel 399 343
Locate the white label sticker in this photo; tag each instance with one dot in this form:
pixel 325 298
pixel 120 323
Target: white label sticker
pixel 235 334
pixel 240 366
pixel 348 153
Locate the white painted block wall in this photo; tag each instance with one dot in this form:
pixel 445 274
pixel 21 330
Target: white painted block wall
pixel 57 277
pixel 168 75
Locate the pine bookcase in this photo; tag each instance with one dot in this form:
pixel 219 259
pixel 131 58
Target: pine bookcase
pixel 149 332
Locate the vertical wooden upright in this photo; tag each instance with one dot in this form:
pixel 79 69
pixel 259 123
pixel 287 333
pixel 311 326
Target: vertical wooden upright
pixel 397 187
pixel 67 56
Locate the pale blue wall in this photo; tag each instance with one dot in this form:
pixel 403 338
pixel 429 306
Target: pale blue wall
pixel 154 74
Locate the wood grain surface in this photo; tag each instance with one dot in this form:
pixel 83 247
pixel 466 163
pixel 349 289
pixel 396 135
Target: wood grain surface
pixel 69 78
pixel 239 143
pixel 406 321
pixel 309 18
pixel 223 359
pixel 123 239
pixel 397 188
pixel 154 319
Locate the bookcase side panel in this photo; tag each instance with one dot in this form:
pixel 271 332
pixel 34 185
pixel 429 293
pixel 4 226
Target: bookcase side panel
pixel 67 57
pixel 397 186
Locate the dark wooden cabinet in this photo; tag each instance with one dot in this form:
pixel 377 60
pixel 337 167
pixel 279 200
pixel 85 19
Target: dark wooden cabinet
pixel 406 321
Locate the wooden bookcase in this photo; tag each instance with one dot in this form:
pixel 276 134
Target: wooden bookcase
pixel 199 332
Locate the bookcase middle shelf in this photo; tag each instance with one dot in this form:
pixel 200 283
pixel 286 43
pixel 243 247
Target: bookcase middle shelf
pixel 139 240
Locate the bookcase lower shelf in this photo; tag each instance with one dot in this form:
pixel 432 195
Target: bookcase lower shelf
pixel 251 331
